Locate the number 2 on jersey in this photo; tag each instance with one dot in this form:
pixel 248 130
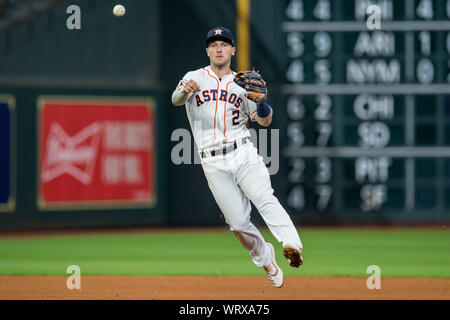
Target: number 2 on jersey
pixel 235 118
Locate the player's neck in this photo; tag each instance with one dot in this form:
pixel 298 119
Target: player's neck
pixel 221 71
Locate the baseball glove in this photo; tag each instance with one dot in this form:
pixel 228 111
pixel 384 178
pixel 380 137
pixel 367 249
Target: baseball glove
pixel 253 84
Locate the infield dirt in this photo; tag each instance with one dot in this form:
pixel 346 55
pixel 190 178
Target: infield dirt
pixel 221 288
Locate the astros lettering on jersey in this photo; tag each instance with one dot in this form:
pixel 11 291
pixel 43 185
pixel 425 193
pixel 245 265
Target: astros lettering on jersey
pixel 222 98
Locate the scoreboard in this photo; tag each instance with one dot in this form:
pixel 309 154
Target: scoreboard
pixel 368 111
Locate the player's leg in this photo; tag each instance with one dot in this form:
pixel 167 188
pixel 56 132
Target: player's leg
pixel 254 180
pixel 236 209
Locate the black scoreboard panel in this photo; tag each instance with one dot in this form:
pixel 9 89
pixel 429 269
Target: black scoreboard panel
pixel 367 110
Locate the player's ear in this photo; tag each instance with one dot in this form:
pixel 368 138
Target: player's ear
pixel 234 51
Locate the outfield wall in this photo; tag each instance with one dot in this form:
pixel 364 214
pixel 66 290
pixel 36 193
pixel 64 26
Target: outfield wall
pixel 85 158
pixel 88 133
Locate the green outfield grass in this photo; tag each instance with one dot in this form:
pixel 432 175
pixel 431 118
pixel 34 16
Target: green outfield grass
pixel 399 253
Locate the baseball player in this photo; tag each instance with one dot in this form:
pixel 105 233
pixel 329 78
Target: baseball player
pixel 218 110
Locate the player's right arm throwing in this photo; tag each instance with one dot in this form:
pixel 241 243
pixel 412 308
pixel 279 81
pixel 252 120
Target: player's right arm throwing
pixel 184 91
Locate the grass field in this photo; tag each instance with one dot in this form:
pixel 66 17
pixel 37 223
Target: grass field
pixel 327 252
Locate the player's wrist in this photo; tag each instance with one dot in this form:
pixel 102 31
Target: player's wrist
pixel 179 97
pixel 263 110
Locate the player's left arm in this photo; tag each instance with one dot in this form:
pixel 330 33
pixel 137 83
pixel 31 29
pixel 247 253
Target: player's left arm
pixel 264 114
pixel 256 96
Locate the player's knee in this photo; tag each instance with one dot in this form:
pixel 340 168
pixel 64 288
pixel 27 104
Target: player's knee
pixel 238 224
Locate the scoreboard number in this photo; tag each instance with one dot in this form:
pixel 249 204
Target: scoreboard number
pixel 322 10
pixel 322 71
pixel 425 43
pixel 296 198
pixel 295 134
pixel 294 10
pixel 322 44
pixel 324 130
pixel 425 9
pixel 296 174
pixel 323 109
pixel 324 171
pixel 425 71
pixel 295 44
pixel 295 72
pixel 324 193
pixel 295 108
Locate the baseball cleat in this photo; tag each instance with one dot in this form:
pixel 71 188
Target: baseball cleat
pixel 273 271
pixel 293 255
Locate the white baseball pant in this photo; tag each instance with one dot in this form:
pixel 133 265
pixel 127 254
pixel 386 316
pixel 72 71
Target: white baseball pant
pixel 237 178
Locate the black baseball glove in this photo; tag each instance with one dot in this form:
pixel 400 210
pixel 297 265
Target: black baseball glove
pixel 253 84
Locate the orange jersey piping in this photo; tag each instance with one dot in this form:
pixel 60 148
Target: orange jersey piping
pixel 217 100
pixel 225 112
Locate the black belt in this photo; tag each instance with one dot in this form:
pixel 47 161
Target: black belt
pixel 225 150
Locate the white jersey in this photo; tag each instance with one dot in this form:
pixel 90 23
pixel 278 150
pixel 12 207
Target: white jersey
pixel 218 113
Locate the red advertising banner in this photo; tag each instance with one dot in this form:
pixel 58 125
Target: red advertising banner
pixel 96 151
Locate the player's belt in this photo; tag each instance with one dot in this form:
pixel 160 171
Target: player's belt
pixel 225 150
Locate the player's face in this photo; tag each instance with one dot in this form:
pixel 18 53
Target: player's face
pixel 220 53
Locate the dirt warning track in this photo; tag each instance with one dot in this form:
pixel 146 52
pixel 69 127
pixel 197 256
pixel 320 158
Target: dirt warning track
pixel 221 288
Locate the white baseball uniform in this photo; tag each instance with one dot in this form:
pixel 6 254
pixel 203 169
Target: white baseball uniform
pixel 217 115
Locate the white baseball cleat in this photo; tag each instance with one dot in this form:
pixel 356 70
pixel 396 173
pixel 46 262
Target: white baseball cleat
pixel 273 271
pixel 293 255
